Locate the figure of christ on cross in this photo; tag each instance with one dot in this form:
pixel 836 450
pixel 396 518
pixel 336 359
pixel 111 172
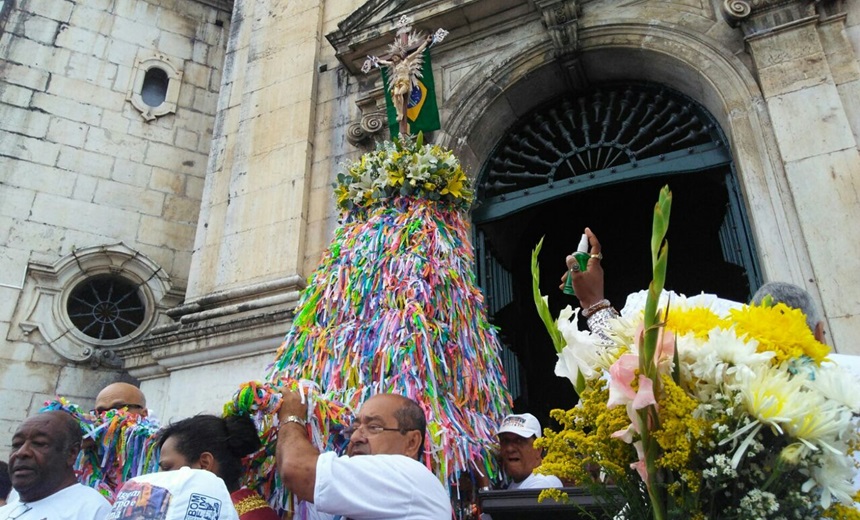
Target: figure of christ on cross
pixel 404 61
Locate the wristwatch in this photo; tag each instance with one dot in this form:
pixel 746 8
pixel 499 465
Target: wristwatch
pixel 293 418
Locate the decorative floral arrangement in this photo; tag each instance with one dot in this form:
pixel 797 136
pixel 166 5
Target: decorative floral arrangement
pixel 408 168
pixel 703 408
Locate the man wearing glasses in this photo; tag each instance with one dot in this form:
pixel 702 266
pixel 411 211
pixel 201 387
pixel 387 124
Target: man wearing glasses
pixel 44 449
pixel 117 396
pixel 379 477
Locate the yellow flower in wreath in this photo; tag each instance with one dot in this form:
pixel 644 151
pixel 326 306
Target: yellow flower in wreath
pixel 396 177
pixel 454 185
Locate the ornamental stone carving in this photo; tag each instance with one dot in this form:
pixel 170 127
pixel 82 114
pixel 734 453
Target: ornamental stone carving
pixel 757 17
pixel 365 130
pixel 52 310
pixel 561 18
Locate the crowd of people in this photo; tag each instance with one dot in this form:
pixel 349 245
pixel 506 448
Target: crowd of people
pixel 379 476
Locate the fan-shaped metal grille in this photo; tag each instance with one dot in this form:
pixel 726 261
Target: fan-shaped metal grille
pixel 625 132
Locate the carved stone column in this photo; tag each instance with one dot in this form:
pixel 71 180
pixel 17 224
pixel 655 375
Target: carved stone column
pixel 247 267
pixel 810 79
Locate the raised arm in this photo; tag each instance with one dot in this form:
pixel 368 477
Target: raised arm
pixel 588 286
pixel 296 456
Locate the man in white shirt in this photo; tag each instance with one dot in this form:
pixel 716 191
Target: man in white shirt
pixel 44 449
pixel 518 455
pixel 379 478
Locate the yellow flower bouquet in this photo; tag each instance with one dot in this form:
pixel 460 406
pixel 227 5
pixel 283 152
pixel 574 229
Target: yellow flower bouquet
pixel 406 167
pixel 704 408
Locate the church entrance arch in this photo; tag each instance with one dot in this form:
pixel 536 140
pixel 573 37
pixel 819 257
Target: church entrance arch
pixel 597 158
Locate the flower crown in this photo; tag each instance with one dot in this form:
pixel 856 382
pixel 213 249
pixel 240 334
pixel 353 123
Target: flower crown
pixel 408 168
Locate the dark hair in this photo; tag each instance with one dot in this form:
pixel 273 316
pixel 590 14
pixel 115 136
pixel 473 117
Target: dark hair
pixel 5 481
pixel 70 429
pixel 228 439
pixel 411 416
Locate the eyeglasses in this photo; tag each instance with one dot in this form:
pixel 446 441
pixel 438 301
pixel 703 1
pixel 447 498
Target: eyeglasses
pixel 19 511
pixel 369 430
pixel 120 406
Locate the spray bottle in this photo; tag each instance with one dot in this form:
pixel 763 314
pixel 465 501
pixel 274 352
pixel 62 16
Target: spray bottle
pixel 581 256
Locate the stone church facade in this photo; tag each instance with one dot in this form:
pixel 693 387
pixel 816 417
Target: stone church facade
pixel 166 165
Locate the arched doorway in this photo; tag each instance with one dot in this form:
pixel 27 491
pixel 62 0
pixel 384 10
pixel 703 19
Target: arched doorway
pixel 597 158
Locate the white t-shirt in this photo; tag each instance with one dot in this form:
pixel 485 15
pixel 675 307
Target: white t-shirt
pixel 537 481
pixel 76 502
pixel 182 494
pixel 371 487
pixel 533 481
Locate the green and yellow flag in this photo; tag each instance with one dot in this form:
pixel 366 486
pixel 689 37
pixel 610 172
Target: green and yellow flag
pixel 422 111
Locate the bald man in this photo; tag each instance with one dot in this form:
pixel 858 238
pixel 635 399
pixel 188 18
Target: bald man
pixel 116 396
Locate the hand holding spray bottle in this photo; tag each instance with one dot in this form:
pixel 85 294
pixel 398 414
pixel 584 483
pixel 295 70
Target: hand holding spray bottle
pixel 581 256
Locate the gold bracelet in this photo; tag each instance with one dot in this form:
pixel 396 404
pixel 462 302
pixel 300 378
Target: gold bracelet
pixel 292 419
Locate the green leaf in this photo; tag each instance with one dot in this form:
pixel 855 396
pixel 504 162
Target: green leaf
pixel 647 364
pixel 540 303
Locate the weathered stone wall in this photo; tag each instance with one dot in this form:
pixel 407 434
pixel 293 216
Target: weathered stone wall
pixel 81 167
pixel 267 211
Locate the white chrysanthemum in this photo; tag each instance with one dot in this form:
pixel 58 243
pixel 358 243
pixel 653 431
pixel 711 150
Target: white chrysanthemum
pixel 583 351
pixel 837 384
pixel 832 477
pixel 717 305
pixel 722 359
pixel 822 424
pixel 773 397
pixel 635 304
pixel 622 330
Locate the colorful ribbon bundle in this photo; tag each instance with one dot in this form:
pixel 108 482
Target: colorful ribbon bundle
pixel 118 445
pixel 394 308
pixel 261 401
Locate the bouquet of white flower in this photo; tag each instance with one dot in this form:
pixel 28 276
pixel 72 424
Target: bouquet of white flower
pixel 705 408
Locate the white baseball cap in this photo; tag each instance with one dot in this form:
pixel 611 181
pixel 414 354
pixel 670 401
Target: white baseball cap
pixel 524 424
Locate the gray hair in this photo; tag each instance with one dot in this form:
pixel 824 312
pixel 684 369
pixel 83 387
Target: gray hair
pixel 791 295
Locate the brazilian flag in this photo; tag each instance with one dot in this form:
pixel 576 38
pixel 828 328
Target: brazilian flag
pixel 422 111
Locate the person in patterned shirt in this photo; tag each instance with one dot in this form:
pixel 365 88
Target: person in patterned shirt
pixel 218 445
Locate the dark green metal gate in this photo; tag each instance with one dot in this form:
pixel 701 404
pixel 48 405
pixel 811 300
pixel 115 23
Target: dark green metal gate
pixel 609 135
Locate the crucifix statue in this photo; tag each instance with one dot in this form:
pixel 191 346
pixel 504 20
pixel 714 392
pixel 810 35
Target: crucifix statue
pixel 403 62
